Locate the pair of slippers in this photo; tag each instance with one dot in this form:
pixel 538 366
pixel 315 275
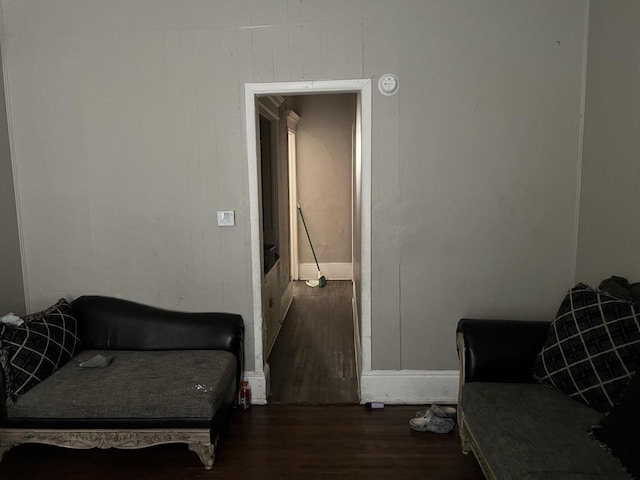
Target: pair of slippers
pixel 436 419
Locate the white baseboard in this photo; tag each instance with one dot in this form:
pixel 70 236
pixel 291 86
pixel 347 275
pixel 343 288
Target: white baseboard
pixel 331 271
pixel 410 387
pixel 399 387
pixel 258 384
pixel 275 337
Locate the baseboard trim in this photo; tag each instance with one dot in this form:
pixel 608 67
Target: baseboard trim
pixel 273 342
pixel 275 337
pixel 410 387
pixel 258 385
pixel 331 271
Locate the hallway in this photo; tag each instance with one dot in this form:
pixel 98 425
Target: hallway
pixel 312 361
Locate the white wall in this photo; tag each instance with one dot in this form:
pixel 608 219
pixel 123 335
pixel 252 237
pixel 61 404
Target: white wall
pixel 324 164
pixel 610 192
pixel 11 279
pixel 127 124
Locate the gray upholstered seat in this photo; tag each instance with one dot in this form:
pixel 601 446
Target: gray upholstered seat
pixel 529 431
pixel 135 386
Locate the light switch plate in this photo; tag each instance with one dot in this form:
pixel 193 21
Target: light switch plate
pixel 226 218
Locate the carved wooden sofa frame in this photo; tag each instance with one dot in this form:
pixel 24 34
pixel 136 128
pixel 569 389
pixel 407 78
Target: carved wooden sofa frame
pixel 198 440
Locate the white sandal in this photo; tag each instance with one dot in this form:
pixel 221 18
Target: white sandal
pixel 431 423
pixel 440 411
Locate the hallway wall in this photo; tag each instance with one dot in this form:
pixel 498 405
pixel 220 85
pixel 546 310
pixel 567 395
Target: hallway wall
pixel 324 151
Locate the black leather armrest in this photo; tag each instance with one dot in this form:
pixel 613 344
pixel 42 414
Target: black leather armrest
pixel 500 350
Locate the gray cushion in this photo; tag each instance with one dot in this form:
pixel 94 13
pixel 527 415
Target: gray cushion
pixel 139 385
pixel 530 431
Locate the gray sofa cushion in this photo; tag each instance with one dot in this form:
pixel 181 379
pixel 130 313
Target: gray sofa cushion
pixel 529 431
pixel 137 384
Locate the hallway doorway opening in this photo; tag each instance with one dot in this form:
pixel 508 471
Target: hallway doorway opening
pixel 342 308
pixel 313 357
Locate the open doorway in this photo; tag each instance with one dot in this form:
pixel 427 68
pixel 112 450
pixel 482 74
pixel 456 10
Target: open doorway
pixel 356 286
pixel 312 359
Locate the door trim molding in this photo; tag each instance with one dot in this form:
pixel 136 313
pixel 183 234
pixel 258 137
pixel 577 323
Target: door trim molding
pixel 363 88
pixel 292 130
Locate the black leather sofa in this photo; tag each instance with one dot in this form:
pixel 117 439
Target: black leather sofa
pixel 517 428
pixel 174 377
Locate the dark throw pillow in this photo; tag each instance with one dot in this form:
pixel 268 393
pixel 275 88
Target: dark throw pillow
pixel 592 348
pixel 37 348
pixel 621 288
pixel 620 430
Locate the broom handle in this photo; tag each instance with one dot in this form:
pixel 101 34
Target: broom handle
pixel 311 244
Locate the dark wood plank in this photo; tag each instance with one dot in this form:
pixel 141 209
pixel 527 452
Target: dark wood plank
pixel 272 442
pixel 313 359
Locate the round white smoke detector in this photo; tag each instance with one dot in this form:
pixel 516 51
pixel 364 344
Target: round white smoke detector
pixel 388 84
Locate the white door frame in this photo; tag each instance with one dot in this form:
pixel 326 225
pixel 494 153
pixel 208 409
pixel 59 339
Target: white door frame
pixel 362 87
pixel 292 127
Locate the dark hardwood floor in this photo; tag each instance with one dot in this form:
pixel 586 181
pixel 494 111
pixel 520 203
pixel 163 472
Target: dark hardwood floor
pixel 272 442
pixel 313 358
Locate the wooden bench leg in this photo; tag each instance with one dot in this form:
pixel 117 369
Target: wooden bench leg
pixel 206 452
pixel 4 448
pixel 466 446
pixel 464 433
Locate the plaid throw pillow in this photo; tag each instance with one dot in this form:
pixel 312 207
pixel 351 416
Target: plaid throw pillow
pixel 31 352
pixel 593 347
